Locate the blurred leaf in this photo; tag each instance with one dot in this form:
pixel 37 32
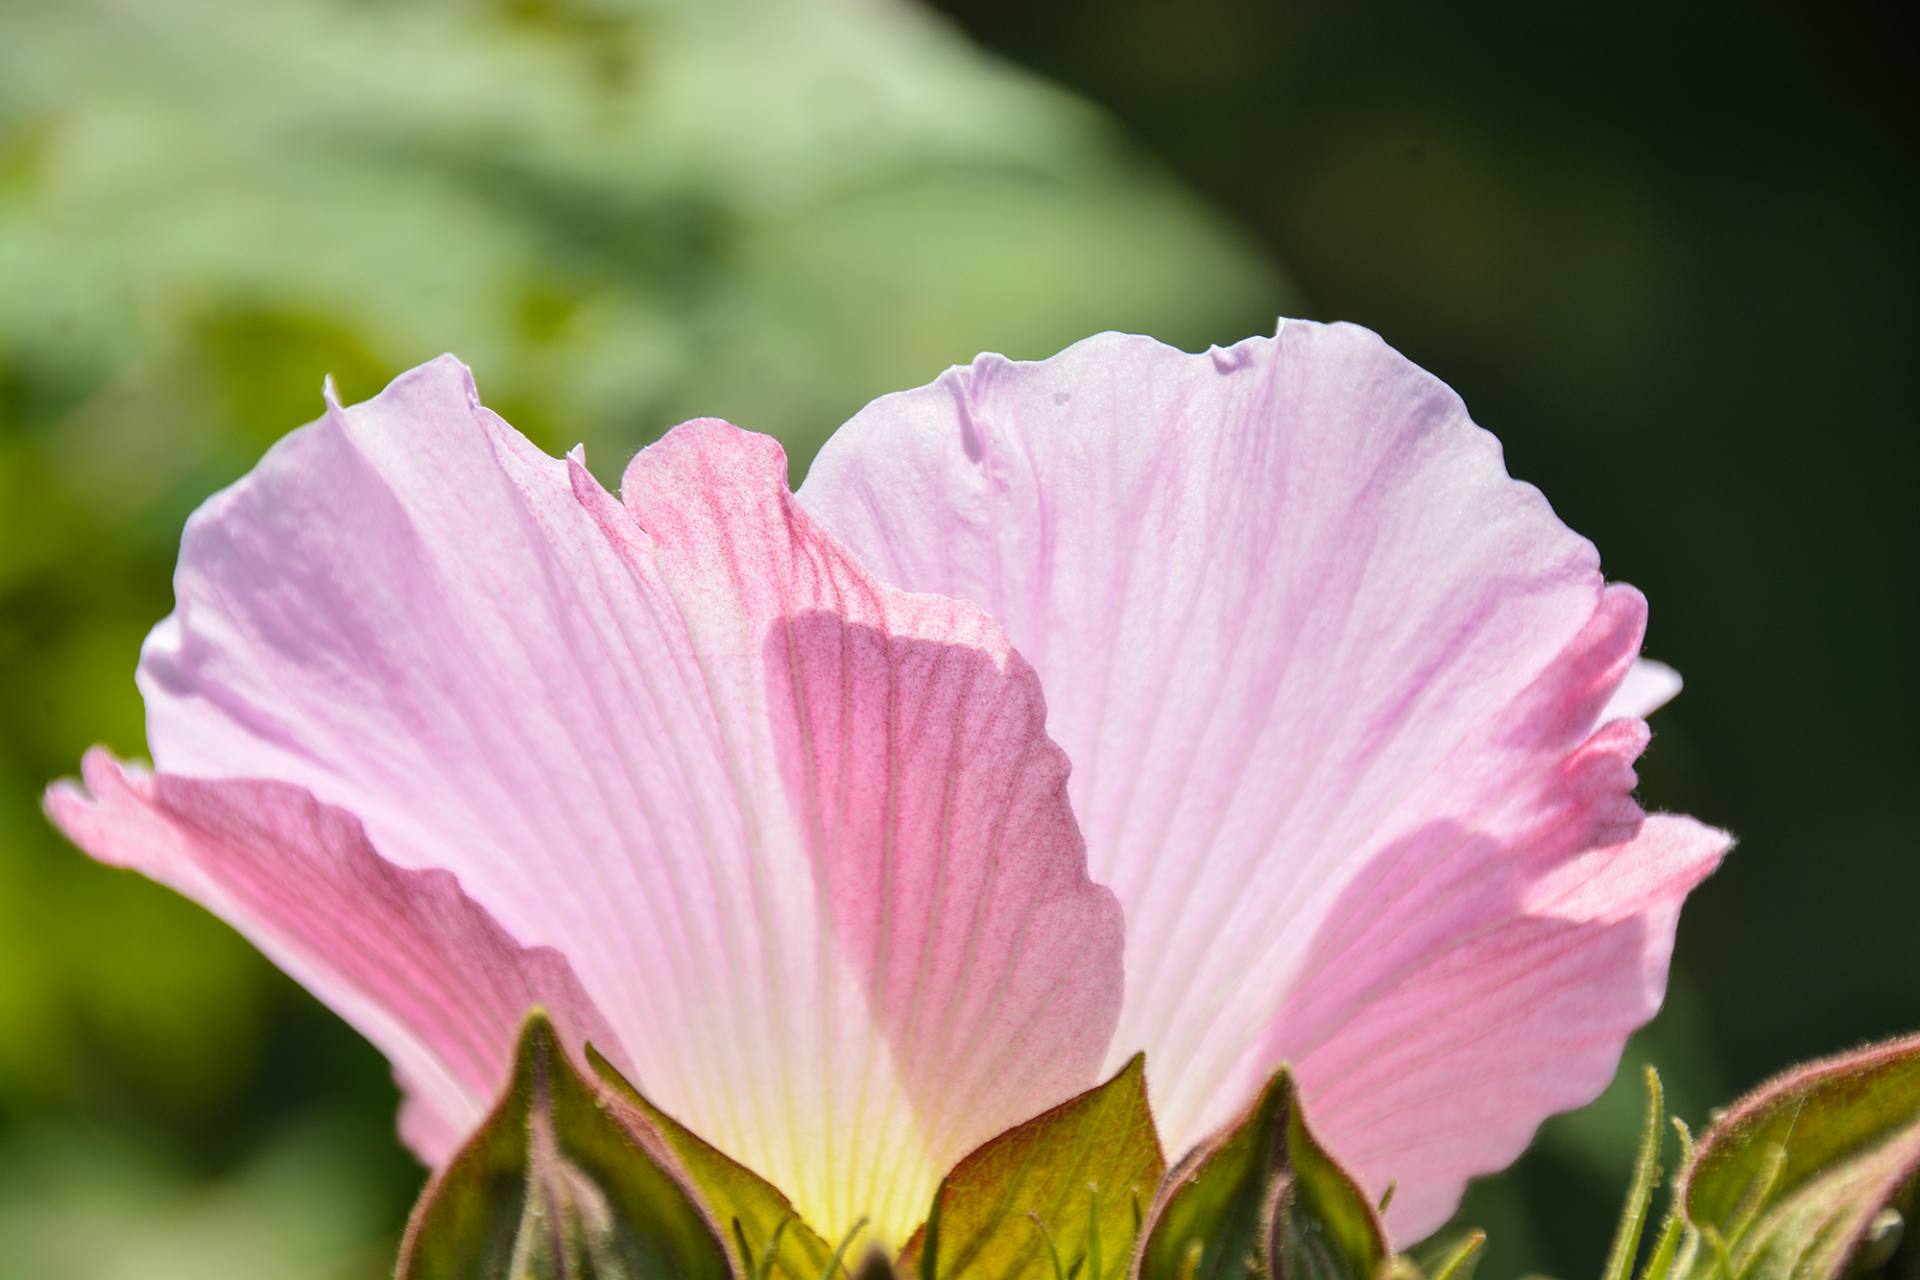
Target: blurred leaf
pixel 78 1203
pixel 619 213
pixel 560 1183
pixel 1062 1193
pixel 750 1211
pixel 1264 1199
pixel 1793 1180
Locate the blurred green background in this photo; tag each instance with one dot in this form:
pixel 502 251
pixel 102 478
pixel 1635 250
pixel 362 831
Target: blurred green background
pixel 1669 259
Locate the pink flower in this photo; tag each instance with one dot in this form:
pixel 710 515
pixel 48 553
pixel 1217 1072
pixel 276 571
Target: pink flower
pixel 756 791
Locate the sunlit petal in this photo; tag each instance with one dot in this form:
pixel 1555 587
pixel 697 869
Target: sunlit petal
pixel 801 836
pixel 1322 668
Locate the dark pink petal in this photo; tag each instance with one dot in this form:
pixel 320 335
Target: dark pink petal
pixel 404 956
pixel 933 807
pixel 1323 670
pixel 801 836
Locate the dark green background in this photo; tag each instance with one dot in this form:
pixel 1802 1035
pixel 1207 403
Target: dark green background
pixel 1667 257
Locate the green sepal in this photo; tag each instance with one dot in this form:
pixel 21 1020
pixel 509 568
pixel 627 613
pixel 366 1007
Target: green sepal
pixel 1061 1195
pixel 1646 1172
pixel 754 1216
pixel 563 1181
pixel 1264 1199
pixel 1795 1180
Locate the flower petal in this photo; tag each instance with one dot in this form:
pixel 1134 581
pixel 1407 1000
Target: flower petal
pixel 1435 1030
pixel 802 836
pixel 404 956
pixel 1296 625
pixel 1648 687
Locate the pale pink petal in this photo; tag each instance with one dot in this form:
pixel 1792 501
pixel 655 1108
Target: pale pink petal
pixel 1296 625
pixel 404 956
pixel 1433 1031
pixel 1648 687
pixel 756 798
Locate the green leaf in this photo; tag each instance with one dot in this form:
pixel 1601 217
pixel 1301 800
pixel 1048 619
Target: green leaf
pixel 763 1232
pixel 562 1182
pixel 1061 1194
pixel 1264 1199
pixel 1794 1179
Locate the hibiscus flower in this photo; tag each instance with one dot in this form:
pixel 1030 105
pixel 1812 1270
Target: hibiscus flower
pixel 1236 708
